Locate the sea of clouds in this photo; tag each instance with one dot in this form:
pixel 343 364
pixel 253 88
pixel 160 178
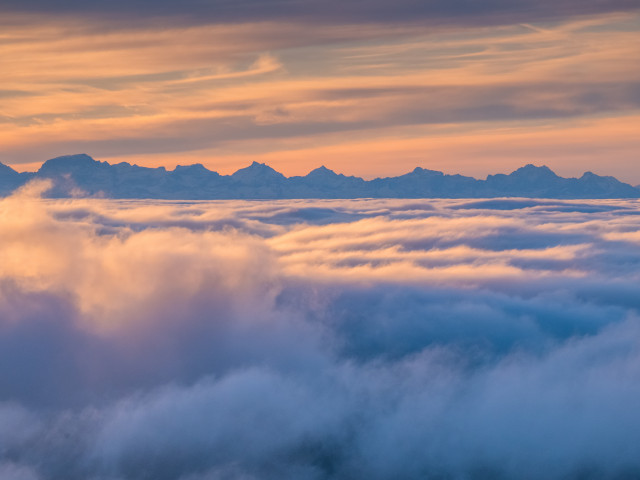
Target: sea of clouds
pixel 360 339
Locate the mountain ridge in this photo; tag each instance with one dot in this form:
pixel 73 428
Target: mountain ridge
pixel 71 174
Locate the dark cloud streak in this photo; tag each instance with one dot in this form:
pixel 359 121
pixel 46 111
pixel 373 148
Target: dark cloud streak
pixel 405 107
pixel 459 12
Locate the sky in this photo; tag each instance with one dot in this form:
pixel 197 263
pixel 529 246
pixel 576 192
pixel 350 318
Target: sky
pixel 368 88
pixel 318 339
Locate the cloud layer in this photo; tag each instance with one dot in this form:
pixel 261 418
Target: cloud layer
pixel 324 340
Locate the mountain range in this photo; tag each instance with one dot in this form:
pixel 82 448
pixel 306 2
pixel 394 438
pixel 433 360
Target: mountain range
pixel 74 175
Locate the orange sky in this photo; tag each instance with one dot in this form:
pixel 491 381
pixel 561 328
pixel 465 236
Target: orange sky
pixel 367 98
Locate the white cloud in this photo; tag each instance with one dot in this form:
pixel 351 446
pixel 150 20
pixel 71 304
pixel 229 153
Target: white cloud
pixel 368 339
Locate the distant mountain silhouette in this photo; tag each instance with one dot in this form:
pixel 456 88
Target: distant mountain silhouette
pixel 74 175
pixel 10 179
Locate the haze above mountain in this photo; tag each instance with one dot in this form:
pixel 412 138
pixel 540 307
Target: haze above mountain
pixel 81 175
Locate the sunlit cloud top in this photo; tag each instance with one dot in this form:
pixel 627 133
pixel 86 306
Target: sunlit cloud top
pixel 366 89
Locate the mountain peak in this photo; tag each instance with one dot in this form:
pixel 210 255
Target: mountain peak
pixel 6 170
pixel 322 172
pixel 67 162
pixel 195 167
pixel 590 175
pixel 532 168
pixel 534 172
pixel 10 179
pixel 257 172
pixel 423 171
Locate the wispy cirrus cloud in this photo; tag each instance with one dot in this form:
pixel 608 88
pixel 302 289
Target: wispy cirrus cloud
pixel 220 93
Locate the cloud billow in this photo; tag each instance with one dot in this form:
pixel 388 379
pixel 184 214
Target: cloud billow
pixel 384 339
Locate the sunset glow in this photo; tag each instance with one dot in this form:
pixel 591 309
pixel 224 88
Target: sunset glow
pixel 319 240
pixel 470 93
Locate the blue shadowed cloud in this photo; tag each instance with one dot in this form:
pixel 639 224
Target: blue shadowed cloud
pixel 318 339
